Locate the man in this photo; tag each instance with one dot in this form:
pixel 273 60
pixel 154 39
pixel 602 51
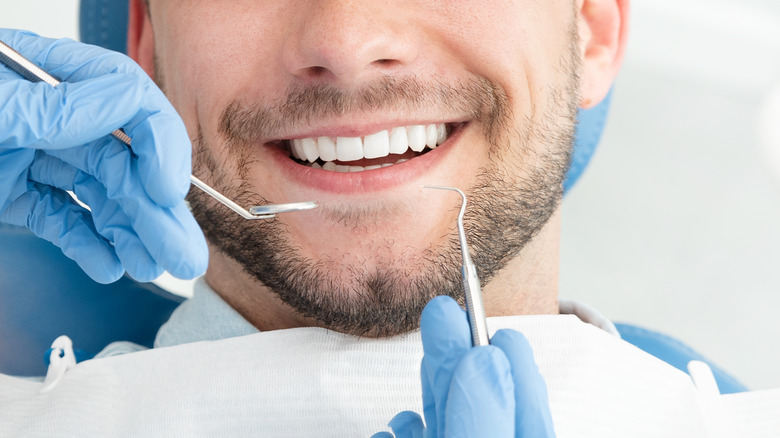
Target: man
pixel 500 84
pixel 355 105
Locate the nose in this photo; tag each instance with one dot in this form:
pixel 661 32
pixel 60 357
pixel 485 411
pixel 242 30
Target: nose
pixel 348 41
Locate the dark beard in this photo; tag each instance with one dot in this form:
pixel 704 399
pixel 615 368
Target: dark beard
pixel 506 210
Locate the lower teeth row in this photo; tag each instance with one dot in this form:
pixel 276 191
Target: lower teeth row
pixel 333 167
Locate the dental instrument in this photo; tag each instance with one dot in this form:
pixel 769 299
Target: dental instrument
pixel 472 291
pixel 23 66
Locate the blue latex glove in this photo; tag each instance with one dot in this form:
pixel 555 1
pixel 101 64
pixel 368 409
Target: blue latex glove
pixel 493 391
pixel 57 139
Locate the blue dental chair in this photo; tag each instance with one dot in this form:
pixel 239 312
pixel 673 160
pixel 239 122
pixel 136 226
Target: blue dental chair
pixel 43 294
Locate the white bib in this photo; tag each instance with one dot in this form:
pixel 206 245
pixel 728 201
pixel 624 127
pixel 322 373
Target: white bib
pixel 312 382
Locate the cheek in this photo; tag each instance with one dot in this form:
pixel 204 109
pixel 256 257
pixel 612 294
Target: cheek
pixel 515 44
pixel 213 53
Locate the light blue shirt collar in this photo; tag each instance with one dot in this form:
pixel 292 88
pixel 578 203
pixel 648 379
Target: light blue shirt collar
pixel 204 317
pixel 207 317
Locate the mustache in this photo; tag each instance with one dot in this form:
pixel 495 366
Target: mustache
pixel 243 123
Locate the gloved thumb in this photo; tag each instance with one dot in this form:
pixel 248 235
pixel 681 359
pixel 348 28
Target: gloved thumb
pixel 481 400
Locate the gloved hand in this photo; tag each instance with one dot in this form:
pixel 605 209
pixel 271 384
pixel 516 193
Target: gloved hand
pixel 57 139
pixel 493 391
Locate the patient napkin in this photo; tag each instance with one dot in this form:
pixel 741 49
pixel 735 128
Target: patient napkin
pixel 311 382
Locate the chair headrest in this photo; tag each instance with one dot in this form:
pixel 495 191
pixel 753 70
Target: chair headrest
pixel 104 23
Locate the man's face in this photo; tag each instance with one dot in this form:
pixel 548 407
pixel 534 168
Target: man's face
pixel 357 105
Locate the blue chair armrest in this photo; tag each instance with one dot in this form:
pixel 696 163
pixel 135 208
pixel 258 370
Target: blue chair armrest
pixel 676 354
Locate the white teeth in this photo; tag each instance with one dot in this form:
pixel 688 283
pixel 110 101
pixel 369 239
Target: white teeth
pixel 297 149
pixel 310 149
pixel 327 148
pixel 431 136
pixel 381 144
pixel 441 133
pixel 351 169
pixel 349 148
pixel 376 145
pixel 398 141
pixel 416 136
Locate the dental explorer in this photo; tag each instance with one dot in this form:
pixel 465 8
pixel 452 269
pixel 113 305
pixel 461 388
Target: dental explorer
pixel 472 291
pixel 23 66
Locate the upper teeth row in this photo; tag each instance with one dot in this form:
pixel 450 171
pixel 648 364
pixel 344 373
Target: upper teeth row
pixel 381 144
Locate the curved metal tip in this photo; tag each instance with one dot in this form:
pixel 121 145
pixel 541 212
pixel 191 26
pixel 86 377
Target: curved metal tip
pixel 462 196
pixel 461 230
pixel 256 212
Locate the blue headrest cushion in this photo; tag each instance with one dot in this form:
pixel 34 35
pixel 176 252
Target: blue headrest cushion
pixel 104 23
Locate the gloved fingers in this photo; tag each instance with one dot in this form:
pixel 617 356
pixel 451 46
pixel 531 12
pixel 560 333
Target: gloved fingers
pixel 481 400
pixel 382 435
pixel 52 214
pixel 407 424
pixel 532 415
pixel 110 162
pixel 37 115
pixel 147 238
pixel 159 137
pixel 107 217
pixel 446 337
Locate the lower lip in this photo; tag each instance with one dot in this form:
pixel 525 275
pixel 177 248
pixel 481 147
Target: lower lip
pixel 368 180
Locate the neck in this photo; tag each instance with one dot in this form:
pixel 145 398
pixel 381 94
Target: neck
pixel 528 284
pixel 250 298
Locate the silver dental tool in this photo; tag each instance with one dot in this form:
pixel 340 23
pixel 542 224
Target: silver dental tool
pixel 471 289
pixel 18 63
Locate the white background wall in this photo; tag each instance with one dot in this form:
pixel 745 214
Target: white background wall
pixel 52 18
pixel 675 224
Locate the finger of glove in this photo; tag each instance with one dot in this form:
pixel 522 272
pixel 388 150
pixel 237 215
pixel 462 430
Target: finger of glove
pixel 148 238
pixel 446 338
pixel 382 435
pixel 51 214
pixel 429 403
pixel 407 424
pixel 533 417
pixel 159 137
pixel 37 115
pixel 112 223
pixel 163 148
pixel 13 174
pixel 481 400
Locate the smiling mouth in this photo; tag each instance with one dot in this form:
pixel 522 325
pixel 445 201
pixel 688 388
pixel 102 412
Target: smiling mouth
pixel 375 151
